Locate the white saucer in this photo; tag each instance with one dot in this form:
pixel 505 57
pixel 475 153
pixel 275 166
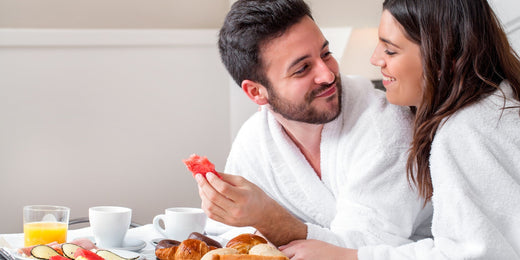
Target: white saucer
pixel 127 254
pixel 130 244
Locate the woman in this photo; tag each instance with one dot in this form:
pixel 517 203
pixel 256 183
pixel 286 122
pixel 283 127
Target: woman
pixel 450 61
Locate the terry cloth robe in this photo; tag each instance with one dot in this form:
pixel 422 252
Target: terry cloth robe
pixel 475 170
pixel 363 197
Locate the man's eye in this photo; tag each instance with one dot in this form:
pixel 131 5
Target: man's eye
pixel 301 70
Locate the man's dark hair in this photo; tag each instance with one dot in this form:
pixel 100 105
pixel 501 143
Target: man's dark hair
pixel 248 25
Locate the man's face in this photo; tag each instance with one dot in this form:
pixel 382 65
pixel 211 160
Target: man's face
pixel 304 77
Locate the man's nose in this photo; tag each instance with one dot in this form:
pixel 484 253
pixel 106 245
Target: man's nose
pixel 325 74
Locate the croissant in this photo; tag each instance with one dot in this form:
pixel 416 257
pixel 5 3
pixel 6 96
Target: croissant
pixel 189 249
pixel 167 253
pixel 242 243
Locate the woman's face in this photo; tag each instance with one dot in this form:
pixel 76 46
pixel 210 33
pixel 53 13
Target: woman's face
pixel 400 62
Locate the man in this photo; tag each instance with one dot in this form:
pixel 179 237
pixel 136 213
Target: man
pixel 326 153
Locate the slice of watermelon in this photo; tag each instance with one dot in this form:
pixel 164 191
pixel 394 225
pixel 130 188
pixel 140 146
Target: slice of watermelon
pixel 89 255
pixel 58 257
pixel 200 165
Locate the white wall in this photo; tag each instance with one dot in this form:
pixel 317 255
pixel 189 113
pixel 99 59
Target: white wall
pixel 164 14
pixel 92 117
pixel 508 12
pixel 113 14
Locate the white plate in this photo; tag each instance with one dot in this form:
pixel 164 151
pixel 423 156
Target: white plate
pixel 130 244
pixel 127 254
pixel 17 255
pixel 122 253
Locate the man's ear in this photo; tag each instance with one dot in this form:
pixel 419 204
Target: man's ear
pixel 255 91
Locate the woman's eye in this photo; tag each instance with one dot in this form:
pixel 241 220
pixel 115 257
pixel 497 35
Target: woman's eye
pixel 388 52
pixel 326 54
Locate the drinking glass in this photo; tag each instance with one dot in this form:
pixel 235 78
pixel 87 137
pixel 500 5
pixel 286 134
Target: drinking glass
pixel 43 224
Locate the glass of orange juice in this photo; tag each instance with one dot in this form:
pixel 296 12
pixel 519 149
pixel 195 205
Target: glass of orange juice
pixel 43 224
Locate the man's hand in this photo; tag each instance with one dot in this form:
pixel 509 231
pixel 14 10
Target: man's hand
pixel 232 200
pixel 235 201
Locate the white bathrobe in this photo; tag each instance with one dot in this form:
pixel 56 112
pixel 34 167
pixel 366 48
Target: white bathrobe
pixel 475 170
pixel 363 197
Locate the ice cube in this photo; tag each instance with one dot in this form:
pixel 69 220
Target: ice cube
pixel 49 218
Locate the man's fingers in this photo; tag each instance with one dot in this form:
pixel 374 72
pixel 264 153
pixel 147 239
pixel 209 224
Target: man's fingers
pixel 233 180
pixel 235 188
pixel 216 202
pixel 225 185
pixel 212 211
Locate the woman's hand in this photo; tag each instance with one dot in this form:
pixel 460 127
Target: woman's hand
pixel 315 249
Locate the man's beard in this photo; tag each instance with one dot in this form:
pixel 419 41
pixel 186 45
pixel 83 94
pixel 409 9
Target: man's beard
pixel 305 112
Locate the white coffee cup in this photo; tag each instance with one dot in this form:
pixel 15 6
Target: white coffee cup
pixel 109 225
pixel 180 222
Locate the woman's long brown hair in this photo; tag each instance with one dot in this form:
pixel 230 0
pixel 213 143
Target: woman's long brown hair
pixel 465 55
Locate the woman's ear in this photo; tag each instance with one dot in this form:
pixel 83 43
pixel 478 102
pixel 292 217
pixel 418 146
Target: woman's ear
pixel 255 91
